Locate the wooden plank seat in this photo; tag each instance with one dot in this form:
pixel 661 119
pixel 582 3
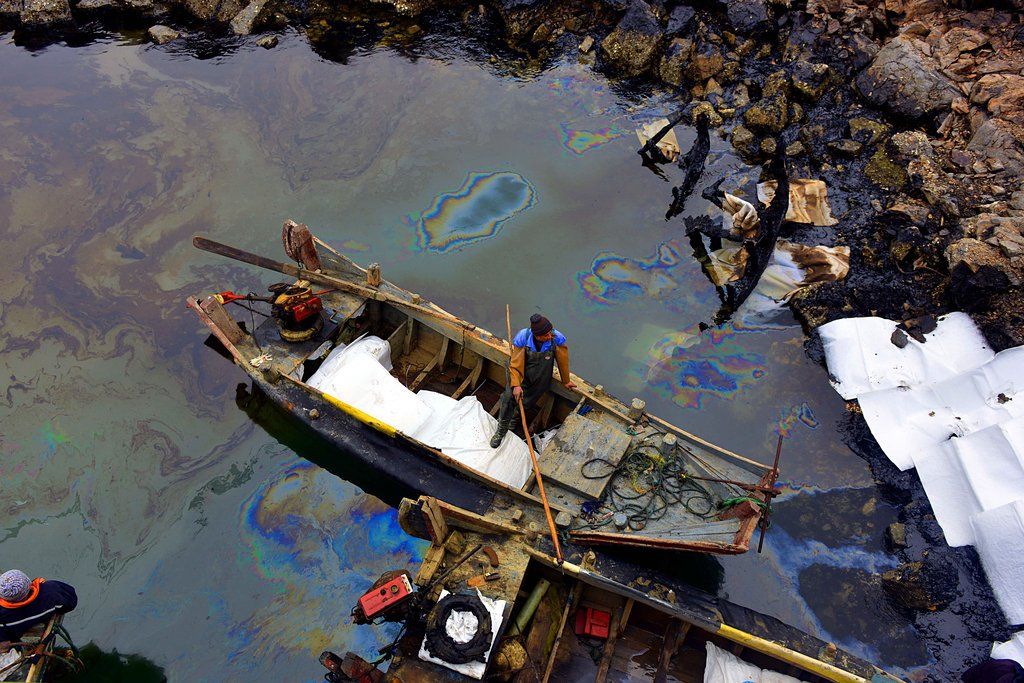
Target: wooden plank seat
pixel 577 441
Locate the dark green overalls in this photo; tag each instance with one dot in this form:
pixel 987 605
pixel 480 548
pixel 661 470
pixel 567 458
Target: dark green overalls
pixel 537 373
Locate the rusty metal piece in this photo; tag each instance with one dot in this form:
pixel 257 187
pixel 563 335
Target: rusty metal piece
pixel 478 580
pixel 492 555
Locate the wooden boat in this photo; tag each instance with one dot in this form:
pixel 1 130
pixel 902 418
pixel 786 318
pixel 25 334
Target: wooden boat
pixel 658 630
pixel 671 489
pixel 38 654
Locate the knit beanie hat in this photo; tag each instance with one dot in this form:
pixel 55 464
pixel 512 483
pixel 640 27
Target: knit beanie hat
pixel 14 585
pixel 539 324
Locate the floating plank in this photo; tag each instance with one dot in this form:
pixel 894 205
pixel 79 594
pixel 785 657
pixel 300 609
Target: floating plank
pixel 576 441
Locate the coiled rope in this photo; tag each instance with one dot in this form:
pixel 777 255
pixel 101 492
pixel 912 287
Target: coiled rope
pixel 645 484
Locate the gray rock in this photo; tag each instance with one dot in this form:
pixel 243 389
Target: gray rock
pixel 903 81
pixel 977 268
pixel 845 148
pixel 46 14
pixel 995 138
pixel 675 59
pixel 244 22
pixel 96 6
pixel 161 35
pixel 747 16
pixel 911 144
pixel 680 20
pixel 267 42
pixel 632 47
pixel 139 6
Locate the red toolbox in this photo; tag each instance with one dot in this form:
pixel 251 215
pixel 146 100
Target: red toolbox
pixel 593 622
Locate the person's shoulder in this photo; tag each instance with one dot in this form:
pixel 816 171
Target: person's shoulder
pixel 559 338
pixel 522 338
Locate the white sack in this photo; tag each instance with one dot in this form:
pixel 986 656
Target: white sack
pixel 861 357
pixel 360 381
pixel 973 473
pixel 905 421
pixel 496 608
pixel 1000 544
pixel 1011 649
pixel 725 667
pixel 463 429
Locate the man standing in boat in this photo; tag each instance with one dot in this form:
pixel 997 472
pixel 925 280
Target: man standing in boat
pixel 535 351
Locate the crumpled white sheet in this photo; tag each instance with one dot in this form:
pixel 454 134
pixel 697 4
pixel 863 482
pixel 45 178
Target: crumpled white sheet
pixel 358 379
pixel 463 429
pixel 1011 649
pixel 861 357
pixel 496 608
pixel 725 667
pixel 973 473
pixel 907 420
pixel 999 535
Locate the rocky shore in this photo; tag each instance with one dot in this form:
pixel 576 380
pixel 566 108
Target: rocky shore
pixel 912 112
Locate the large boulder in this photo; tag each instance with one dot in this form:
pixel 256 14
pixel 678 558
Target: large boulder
pixel 633 46
pixel 245 21
pixel 46 14
pixel 902 80
pixel 978 269
pixel 997 139
pixel 746 16
pixel 221 11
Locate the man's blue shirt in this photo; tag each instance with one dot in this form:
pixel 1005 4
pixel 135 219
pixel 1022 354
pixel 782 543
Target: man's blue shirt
pixel 524 340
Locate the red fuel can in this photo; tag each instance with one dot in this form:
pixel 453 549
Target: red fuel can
pixel 592 622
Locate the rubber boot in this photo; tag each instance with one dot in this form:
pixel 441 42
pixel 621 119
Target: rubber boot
pixel 499 435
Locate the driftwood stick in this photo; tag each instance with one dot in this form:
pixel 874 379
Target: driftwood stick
pixel 653 142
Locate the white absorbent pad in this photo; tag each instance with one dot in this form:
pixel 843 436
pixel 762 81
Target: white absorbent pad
pixel 1011 649
pixel 906 421
pixel 973 473
pixel 861 357
pixel 358 379
pixel 462 429
pixel 458 629
pixel 999 535
pixel 725 667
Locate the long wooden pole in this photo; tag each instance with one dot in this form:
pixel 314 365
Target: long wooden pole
pixel 317 277
pixel 529 444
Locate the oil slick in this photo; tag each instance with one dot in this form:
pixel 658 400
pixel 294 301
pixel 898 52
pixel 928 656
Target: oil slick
pixel 579 141
pixel 688 366
pixel 474 212
pixel 309 533
pixel 614 279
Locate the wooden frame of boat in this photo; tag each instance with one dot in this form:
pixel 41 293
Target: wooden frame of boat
pixel 657 630
pixel 34 669
pixel 434 349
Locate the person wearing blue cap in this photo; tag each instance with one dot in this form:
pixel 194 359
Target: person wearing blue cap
pixel 25 602
pixel 535 352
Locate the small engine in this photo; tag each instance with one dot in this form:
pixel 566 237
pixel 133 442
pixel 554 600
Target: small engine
pixel 297 311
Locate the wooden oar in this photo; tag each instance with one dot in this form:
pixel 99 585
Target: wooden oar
pixel 319 278
pixel 529 444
